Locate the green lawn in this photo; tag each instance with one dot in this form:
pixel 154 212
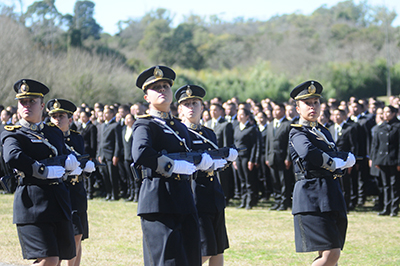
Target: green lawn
pixel 257 237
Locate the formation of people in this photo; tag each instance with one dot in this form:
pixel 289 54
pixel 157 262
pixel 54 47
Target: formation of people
pixel 336 152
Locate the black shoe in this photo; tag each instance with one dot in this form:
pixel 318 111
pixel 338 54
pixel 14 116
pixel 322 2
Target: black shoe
pixel 241 206
pixel 275 207
pixel 248 207
pixel 282 208
pixel 136 198
pixel 393 214
pixel 383 213
pixel 129 199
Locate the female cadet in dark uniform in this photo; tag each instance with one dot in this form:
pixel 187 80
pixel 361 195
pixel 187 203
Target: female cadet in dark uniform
pixel 385 155
pixel 208 194
pixel 166 206
pixel 61 112
pixel 42 207
pixel 319 209
pixel 245 137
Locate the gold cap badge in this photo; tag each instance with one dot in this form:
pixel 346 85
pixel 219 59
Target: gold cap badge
pixel 312 88
pixel 24 86
pixel 189 92
pixel 158 73
pixel 56 105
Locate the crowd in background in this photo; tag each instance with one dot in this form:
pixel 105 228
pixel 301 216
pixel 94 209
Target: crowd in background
pixel 264 170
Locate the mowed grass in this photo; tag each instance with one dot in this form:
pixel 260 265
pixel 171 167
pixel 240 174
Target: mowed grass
pixel 257 237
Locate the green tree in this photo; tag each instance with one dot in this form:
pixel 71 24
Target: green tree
pixel 84 21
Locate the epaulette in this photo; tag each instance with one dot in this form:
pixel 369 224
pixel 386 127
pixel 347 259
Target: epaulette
pixel 77 132
pixel 296 125
pixel 323 126
pixel 143 116
pixel 11 128
pixel 50 124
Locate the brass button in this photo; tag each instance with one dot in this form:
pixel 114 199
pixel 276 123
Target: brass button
pixel 201 132
pixel 177 132
pixel 172 123
pixel 211 179
pixel 68 139
pixel 181 143
pixel 51 155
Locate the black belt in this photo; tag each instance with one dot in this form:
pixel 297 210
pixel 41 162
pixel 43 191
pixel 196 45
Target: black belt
pixel 147 173
pixel 318 174
pixel 31 181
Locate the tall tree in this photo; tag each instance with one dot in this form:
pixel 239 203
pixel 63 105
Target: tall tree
pixel 84 21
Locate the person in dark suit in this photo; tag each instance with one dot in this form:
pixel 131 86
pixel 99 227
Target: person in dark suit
pixel 278 159
pixel 109 152
pixel 319 209
pixel 166 206
pixel 245 137
pixel 127 137
pixel 89 134
pixel 61 111
pixel 42 206
pixel 385 149
pixel 345 136
pixel 224 132
pixel 208 194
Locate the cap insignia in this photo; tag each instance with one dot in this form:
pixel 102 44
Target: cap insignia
pixel 189 92
pixel 158 73
pixel 24 86
pixel 311 88
pixel 56 105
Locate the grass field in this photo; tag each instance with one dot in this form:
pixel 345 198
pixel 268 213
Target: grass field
pixel 257 237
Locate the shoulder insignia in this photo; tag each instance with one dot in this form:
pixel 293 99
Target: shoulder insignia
pixel 321 125
pixel 50 124
pixel 143 116
pixel 11 128
pixel 75 131
pixel 296 125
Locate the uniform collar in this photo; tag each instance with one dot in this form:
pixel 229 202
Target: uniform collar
pixel 67 133
pixel 307 123
pixel 194 126
pixel 160 114
pixel 32 126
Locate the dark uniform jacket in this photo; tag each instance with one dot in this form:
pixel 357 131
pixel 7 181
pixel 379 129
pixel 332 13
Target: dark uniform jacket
pixel 319 191
pixel 159 194
pixel 208 193
pixel 36 200
pixel 127 145
pixel 223 131
pixel 347 138
pixel 89 135
pixel 110 144
pixel 386 143
pixel 77 190
pixel 247 140
pixel 276 146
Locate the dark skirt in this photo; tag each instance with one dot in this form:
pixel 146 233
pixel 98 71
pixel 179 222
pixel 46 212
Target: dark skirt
pixel 213 236
pixel 171 239
pixel 42 240
pixel 81 224
pixel 319 231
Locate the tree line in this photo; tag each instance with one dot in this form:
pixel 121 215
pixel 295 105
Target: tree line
pixel 351 48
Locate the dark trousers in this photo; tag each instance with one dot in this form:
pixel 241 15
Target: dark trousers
pixel 132 184
pixel 281 180
pixel 110 177
pixel 391 188
pixel 248 182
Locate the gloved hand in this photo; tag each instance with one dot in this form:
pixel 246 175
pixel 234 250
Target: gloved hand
pixel 89 167
pixel 351 160
pixel 233 154
pixel 205 163
pixel 339 163
pixel 71 163
pixel 54 172
pixel 183 167
pixel 77 171
pixel 219 163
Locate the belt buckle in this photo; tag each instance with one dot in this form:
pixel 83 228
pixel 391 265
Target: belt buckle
pixel 75 180
pixel 178 177
pixel 53 183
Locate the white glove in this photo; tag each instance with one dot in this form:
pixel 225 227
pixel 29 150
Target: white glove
pixel 183 167
pixel 89 167
pixel 205 163
pixel 54 172
pixel 77 171
pixel 219 163
pixel 233 154
pixel 339 163
pixel 351 160
pixel 71 163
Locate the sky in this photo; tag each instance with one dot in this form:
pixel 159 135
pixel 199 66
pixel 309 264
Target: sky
pixel 108 13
